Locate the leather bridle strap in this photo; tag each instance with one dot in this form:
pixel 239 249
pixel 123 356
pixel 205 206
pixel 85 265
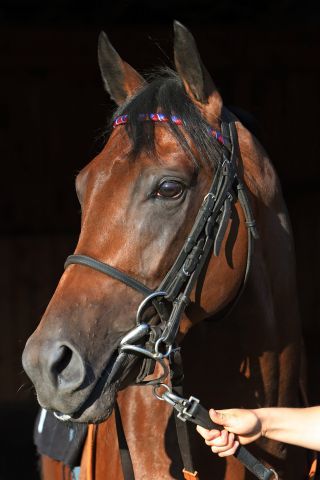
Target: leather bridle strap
pixel 206 235
pixel 108 270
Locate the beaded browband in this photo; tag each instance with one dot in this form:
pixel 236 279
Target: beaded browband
pixel 161 117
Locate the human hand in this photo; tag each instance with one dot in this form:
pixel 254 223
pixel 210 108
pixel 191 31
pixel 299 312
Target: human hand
pixel 241 426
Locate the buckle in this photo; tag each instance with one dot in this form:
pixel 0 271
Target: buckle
pixel 187 411
pixel 185 407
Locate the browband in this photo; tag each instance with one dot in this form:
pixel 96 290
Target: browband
pixel 161 117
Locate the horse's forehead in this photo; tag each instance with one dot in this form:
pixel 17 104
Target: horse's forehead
pixel 165 142
pixel 167 148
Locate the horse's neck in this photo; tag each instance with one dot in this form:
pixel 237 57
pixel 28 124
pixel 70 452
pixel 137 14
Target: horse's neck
pixel 257 170
pixel 146 423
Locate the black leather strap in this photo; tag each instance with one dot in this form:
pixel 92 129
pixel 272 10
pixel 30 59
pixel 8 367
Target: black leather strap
pixel 222 226
pixel 125 457
pixel 108 270
pixel 184 441
pixel 176 371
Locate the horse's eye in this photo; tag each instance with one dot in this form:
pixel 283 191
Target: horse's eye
pixel 170 189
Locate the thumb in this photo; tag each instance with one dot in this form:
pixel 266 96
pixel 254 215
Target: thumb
pixel 219 417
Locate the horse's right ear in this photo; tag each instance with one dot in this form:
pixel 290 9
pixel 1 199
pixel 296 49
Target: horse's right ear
pixel 120 80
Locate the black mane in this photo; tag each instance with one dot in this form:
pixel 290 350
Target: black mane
pixel 166 94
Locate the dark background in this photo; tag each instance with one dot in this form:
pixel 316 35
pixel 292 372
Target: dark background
pixel 264 57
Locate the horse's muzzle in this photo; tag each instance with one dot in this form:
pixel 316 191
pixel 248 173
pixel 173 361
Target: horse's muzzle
pixel 58 373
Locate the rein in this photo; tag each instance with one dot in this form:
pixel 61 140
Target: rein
pixel 172 296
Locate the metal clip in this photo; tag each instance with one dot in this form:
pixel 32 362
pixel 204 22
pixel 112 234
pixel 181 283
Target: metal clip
pixel 185 414
pixel 183 406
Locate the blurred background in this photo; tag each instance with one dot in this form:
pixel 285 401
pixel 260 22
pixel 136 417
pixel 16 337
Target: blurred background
pixel 264 58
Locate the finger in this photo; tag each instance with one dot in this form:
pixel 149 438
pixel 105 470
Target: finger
pixel 223 447
pixel 223 442
pixel 231 450
pixel 218 417
pixel 203 431
pixel 214 438
pixel 208 434
pixel 220 441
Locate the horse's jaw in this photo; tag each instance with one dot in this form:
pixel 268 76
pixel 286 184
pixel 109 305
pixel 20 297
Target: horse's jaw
pixel 94 411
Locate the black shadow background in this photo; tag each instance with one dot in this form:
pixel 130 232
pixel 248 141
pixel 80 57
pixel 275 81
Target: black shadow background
pixel 264 57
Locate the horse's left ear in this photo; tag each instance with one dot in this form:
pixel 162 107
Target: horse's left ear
pixel 196 79
pixel 120 80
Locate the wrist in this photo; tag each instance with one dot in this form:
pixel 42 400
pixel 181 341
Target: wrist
pixel 262 420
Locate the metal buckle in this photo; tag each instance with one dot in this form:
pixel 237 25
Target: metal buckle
pixel 210 194
pixel 182 405
pixel 184 415
pixel 230 196
pixel 187 274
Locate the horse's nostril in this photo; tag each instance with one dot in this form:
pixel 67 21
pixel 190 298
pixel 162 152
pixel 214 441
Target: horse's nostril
pixel 62 360
pixel 66 368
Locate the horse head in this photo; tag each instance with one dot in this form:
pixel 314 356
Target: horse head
pixel 139 198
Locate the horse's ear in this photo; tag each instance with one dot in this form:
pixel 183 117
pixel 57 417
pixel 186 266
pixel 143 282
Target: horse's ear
pixel 120 80
pixel 196 79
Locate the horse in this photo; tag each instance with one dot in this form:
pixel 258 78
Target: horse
pixel 238 327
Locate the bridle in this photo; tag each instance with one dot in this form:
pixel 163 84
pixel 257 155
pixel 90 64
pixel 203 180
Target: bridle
pixel 172 297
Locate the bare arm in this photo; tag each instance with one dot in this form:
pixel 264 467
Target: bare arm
pixel 298 426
